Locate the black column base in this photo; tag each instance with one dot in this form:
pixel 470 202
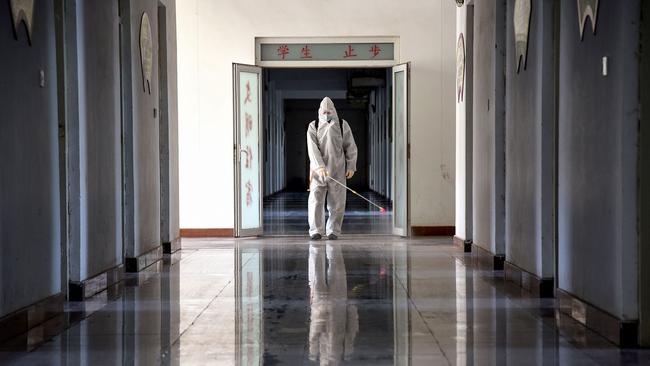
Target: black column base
pixel 137 264
pixel 172 247
pixel 486 260
pixel 465 244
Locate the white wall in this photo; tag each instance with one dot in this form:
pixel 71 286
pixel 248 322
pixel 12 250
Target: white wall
pixel 214 34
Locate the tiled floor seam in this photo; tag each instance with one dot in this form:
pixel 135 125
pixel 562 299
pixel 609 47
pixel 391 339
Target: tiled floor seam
pixel 201 313
pixel 206 307
pixel 444 354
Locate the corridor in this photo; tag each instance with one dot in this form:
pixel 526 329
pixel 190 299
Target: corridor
pixel 155 157
pixel 371 301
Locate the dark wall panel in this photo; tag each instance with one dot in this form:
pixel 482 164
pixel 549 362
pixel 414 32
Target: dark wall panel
pixel 524 120
pixel 145 135
pixel 30 243
pixel 100 128
pixel 597 146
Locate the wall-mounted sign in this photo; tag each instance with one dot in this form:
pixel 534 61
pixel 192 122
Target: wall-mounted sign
pixel 22 11
pixel 460 68
pixel 331 51
pixel 327 51
pixel 587 9
pixel 521 22
pixel 146 52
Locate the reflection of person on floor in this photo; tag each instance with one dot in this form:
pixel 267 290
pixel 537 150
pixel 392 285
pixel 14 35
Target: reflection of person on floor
pixel 334 322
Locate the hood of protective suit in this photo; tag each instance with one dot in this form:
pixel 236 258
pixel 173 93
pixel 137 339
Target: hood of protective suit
pixel 327 105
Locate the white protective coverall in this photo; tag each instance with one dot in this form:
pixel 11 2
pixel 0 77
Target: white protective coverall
pixel 336 151
pixel 334 322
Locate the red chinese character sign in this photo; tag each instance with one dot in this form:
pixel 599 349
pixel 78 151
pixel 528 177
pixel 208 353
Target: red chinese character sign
pixel 283 51
pixel 248 124
pixel 380 51
pixel 375 51
pixel 248 160
pixel 306 52
pixel 248 98
pixel 249 193
pixel 349 52
pixel 248 150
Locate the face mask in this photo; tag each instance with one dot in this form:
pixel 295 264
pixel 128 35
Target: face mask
pixel 329 118
pixel 322 118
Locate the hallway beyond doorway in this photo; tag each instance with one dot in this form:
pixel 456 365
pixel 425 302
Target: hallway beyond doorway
pixel 285 213
pixel 362 97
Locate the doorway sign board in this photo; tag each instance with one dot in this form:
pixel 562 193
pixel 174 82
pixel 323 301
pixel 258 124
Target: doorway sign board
pixel 327 52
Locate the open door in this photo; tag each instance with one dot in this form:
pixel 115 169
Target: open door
pixel 247 145
pixel 401 150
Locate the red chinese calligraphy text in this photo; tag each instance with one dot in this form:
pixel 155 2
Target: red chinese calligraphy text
pixel 249 158
pixel 249 193
pixel 248 124
pixel 306 52
pixel 375 51
pixel 248 93
pixel 350 52
pixel 283 51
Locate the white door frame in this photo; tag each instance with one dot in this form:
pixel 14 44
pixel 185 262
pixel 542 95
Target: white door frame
pixel 345 64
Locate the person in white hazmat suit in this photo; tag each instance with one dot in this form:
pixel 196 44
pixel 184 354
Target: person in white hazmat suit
pixel 332 153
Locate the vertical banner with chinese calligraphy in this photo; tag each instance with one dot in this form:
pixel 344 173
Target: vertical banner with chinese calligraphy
pixel 401 148
pixel 248 147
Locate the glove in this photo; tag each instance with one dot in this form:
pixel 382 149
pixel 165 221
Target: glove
pixel 322 172
pixel 349 174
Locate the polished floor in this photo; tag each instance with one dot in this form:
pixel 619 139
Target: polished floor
pixel 288 301
pixel 285 213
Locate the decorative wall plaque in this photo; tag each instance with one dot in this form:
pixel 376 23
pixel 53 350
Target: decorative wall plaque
pixel 22 11
pixel 146 52
pixel 587 9
pixel 460 68
pixel 521 22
